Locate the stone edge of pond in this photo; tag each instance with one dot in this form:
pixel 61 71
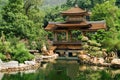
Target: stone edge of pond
pixel 116 66
pixel 20 68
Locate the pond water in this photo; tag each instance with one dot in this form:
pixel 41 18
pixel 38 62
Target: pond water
pixel 65 70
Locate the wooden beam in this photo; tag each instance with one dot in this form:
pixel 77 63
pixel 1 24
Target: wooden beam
pixel 70 35
pixel 83 33
pixel 59 30
pixel 67 36
pixel 55 36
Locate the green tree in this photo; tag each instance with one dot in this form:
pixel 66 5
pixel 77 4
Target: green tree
pixel 85 4
pixel 17 23
pixel 31 3
pixel 105 11
pixel 21 53
pixel 38 36
pixel 14 21
pixel 52 14
pixel 118 3
pixel 2 3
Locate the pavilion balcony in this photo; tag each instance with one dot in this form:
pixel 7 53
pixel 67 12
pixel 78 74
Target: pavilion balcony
pixel 67 42
pixel 68 45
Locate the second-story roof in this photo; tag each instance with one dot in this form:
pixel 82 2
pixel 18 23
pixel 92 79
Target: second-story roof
pixel 75 11
pixel 88 26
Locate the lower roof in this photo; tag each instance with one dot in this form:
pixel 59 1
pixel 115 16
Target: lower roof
pixel 84 26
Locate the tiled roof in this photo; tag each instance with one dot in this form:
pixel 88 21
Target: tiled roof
pixel 96 25
pixel 74 11
pixel 88 26
pixel 72 24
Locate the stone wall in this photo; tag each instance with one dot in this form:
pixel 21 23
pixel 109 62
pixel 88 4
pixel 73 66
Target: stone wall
pixel 16 66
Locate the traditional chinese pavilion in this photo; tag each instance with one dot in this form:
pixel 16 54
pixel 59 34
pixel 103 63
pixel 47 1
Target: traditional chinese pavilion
pixel 75 20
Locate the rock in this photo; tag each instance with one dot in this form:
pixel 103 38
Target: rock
pixel 0 68
pixel 94 68
pixel 98 44
pixel 94 43
pixel 13 64
pixel 29 71
pixel 82 67
pixel 95 48
pixel 86 46
pixel 10 64
pixel 94 60
pixel 84 57
pixel 115 61
pixel 104 50
pixel 22 65
pixel 1 61
pixel 30 62
pixel 82 52
pixel 1 76
pixel 84 38
pixel 101 60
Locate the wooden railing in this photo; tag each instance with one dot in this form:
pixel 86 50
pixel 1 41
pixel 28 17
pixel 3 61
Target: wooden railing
pixel 69 42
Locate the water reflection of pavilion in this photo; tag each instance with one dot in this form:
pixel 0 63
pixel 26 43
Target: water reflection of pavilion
pixel 75 20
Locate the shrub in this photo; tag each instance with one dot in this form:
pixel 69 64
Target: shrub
pixel 16 49
pixel 94 43
pixel 2 57
pixel 21 54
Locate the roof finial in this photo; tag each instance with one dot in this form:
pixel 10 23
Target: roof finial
pixel 76 5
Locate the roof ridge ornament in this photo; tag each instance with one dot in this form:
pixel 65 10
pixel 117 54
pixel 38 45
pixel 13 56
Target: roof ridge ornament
pixel 76 6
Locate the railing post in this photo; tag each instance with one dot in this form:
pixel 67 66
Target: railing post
pixel 67 54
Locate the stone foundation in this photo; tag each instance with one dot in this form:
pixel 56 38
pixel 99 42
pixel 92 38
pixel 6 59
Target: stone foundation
pixel 85 59
pixel 23 68
pixel 14 66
